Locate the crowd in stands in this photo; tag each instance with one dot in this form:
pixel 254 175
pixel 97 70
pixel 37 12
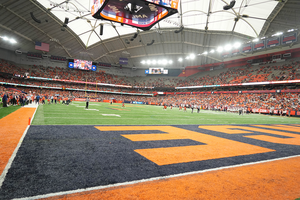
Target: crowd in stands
pixel 271 101
pixel 273 72
pixel 220 101
pixel 286 71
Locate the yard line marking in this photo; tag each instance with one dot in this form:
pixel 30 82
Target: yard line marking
pixel 111 115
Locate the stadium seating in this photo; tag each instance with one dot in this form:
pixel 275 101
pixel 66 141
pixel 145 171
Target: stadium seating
pixel 272 72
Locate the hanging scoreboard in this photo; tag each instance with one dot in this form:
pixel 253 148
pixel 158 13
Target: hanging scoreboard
pixel 142 14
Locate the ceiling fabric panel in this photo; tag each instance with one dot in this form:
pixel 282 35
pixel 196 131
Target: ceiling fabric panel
pixel 195 14
pixel 207 26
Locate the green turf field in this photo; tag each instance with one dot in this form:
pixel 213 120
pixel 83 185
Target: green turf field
pixel 7 110
pixel 107 114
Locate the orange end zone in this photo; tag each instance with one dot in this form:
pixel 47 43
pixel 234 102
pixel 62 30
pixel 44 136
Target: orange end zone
pixel 12 129
pixel 270 180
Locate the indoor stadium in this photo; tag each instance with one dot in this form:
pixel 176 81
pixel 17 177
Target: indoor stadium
pixel 149 99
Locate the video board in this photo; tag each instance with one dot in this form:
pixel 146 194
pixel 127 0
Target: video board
pixel 82 64
pixel 142 14
pixel 156 71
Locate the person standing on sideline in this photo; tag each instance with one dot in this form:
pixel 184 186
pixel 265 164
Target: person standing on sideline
pixel 37 98
pixel 241 111
pixel 21 99
pixel 4 99
pixel 87 103
pixel 14 101
pixel 55 99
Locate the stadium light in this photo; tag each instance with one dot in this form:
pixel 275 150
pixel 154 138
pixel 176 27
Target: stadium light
pixel 164 62
pixel 276 34
pixel 237 45
pixel 220 49
pixel 157 62
pixel 180 59
pixel 228 47
pixel 192 56
pixel 11 40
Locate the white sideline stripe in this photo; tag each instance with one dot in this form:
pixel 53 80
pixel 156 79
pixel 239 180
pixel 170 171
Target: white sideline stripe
pixel 150 179
pixel 11 159
pixel 92 109
pixel 33 115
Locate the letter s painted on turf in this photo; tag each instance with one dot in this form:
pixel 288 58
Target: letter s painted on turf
pixel 213 148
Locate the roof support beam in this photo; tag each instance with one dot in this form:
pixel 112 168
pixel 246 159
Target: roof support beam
pixel 162 40
pixel 208 15
pixel 59 22
pixel 34 27
pixel 272 16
